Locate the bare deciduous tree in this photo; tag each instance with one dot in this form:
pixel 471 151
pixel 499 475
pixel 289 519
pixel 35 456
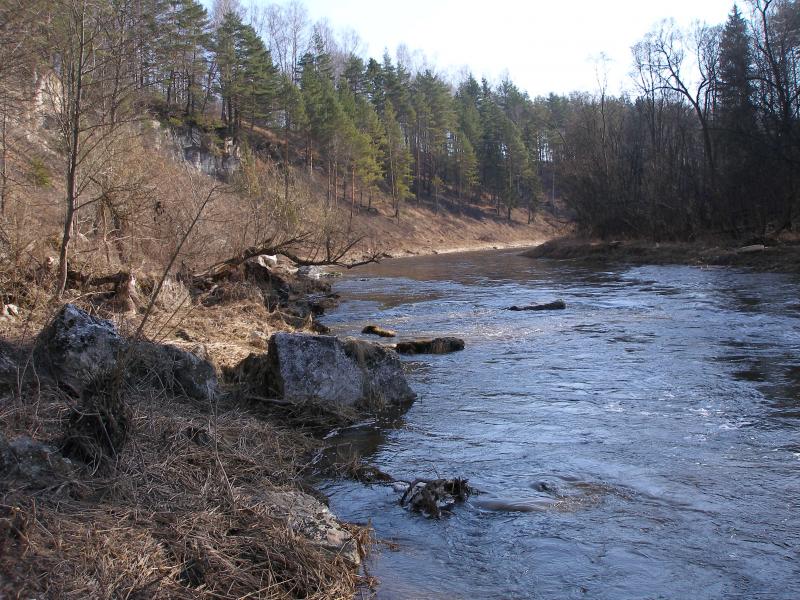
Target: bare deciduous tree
pixel 91 98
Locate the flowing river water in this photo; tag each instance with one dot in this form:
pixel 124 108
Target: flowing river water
pixel 642 443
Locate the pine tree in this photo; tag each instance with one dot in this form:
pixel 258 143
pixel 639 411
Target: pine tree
pixel 490 150
pixel 180 49
pixel 421 137
pixel 247 81
pixel 734 120
pixel 293 114
pixel 465 164
pixel 353 76
pixel 230 76
pixel 735 73
pixel 322 108
pixel 468 114
pixel 397 88
pixel 369 163
pixel 397 158
pixel 515 166
pixel 375 84
pixel 259 76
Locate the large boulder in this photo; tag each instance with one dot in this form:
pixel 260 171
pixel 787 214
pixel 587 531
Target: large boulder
pixel 75 346
pixel 181 372
pixel 384 382
pixel 354 373
pixel 9 371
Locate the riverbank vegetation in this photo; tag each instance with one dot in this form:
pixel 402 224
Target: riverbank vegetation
pixel 170 168
pixel 707 144
pixel 779 258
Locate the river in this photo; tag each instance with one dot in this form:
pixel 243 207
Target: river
pixel 661 411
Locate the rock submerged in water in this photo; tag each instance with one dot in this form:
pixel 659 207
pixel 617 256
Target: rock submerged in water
pixel 379 331
pixel 555 305
pixel 442 345
pixel 354 373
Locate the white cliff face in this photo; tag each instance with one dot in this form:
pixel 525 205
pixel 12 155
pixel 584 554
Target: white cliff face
pixel 192 146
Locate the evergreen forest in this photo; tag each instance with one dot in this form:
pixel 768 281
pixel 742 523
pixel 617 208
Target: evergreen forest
pixel 706 140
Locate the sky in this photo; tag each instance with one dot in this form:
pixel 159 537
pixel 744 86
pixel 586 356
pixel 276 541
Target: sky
pixel 542 45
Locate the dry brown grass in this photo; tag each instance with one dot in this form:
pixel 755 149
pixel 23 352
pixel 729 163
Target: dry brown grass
pixel 178 515
pixel 176 512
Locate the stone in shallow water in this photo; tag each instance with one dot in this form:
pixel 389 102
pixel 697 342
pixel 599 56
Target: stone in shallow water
pixel 442 345
pixel 379 331
pixel 555 305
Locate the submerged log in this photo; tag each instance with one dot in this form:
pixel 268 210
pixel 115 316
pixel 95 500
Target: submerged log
pixel 443 345
pixel 375 330
pixel 555 305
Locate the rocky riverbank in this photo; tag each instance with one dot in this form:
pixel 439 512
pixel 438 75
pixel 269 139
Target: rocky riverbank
pixel 176 464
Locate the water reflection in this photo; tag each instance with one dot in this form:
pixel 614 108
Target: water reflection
pixel 662 407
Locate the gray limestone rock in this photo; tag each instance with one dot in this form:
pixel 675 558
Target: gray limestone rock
pixel 75 346
pixel 308 517
pixel 33 462
pixel 183 372
pixel 321 368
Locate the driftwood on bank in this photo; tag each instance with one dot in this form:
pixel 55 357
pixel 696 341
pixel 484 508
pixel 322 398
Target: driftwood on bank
pixel 431 496
pixel 320 255
pixel 122 296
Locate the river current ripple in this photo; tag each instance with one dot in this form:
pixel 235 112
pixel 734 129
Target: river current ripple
pixel 664 404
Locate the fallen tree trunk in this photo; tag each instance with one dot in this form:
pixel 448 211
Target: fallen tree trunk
pixel 122 297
